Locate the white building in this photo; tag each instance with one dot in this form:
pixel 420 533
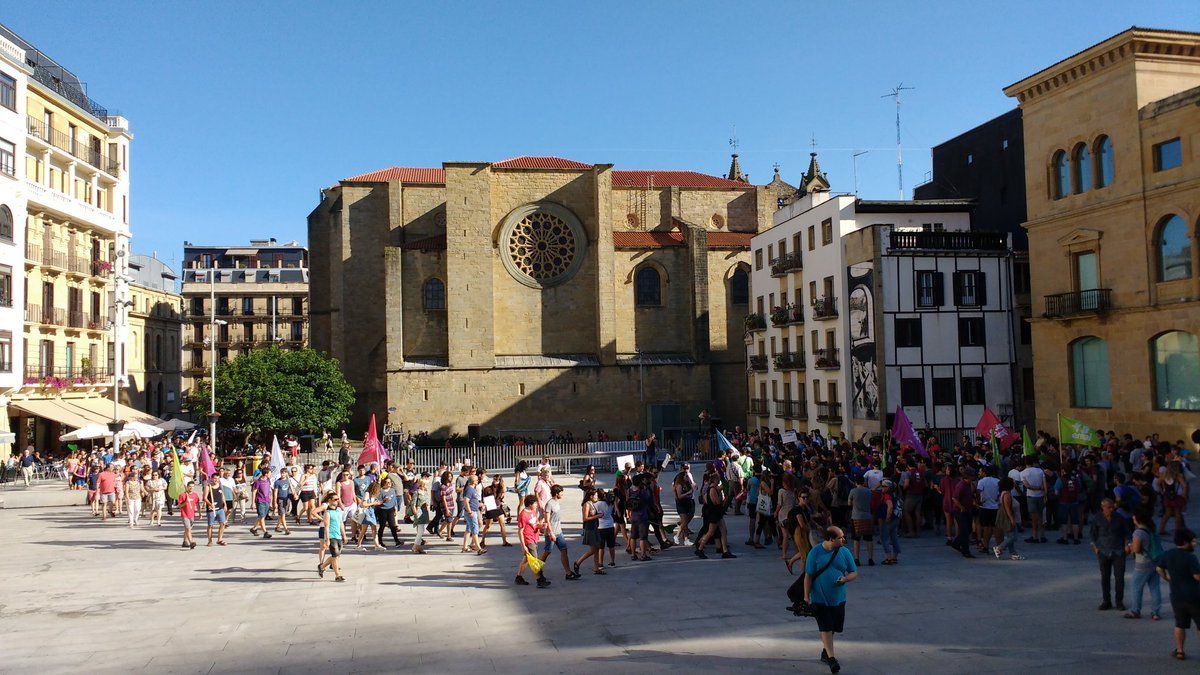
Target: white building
pixel 13 75
pixel 878 304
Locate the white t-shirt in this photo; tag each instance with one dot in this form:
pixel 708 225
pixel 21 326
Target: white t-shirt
pixel 874 478
pixel 1018 486
pixel 989 492
pixel 1037 481
pixel 606 515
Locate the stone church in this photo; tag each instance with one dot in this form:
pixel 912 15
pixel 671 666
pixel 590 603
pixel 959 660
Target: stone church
pixel 538 294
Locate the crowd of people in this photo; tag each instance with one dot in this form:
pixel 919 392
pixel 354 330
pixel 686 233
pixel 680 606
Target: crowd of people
pixel 822 504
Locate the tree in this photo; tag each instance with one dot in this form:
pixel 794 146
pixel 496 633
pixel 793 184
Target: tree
pixel 276 390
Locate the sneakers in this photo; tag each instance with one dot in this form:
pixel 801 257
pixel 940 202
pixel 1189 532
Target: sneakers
pixel 727 555
pixel 543 583
pixel 700 553
pixel 520 581
pixel 1017 556
pixel 996 552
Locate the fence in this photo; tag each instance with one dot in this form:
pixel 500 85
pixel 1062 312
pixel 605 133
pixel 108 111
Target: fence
pixel 564 457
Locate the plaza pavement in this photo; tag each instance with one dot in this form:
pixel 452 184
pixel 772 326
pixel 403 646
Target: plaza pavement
pixel 79 595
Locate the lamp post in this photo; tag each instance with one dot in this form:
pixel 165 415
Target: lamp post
pixel 212 358
pixel 116 424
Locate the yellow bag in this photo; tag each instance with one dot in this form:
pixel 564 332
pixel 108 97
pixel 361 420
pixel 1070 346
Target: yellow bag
pixel 534 563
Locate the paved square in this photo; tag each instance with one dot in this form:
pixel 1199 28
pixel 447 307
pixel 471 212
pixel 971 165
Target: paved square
pixel 84 596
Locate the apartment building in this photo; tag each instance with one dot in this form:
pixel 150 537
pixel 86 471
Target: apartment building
pixel 155 329
pixel 13 74
pixel 68 161
pixel 239 298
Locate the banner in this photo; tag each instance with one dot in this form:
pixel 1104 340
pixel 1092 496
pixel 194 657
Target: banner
pixel 905 435
pixel 373 451
pixel 207 468
pixel 175 487
pixel 1074 432
pixel 789 436
pixel 989 425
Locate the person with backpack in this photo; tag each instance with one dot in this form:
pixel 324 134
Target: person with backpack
pixel 1069 488
pixel 1146 548
pixel 827 570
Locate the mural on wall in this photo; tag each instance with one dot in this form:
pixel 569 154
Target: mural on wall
pixel 864 378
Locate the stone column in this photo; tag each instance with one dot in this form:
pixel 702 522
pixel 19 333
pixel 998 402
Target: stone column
pixel 470 258
pixel 697 248
pixel 606 292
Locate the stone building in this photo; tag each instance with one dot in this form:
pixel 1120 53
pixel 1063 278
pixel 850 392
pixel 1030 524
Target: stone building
pixel 1112 170
pixel 155 324
pixel 244 297
pixel 538 294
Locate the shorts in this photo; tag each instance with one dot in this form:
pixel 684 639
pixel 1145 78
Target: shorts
pixel 108 498
pixel 608 537
pixel 262 510
pixel 685 507
pixel 283 504
pixel 472 523
pixel 987 517
pixel 216 517
pixel 862 532
pixel 830 618
pixel 1186 613
pixel 1036 505
pixel 712 515
pixel 560 542
pixel 307 496
pixel 494 514
pixel 228 504
pixel 639 530
pixel 335 548
pixel 321 533
pixel 187 524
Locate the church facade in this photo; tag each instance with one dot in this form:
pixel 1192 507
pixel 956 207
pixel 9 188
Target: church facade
pixel 538 294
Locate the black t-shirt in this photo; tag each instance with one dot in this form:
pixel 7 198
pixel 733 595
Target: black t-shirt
pixel 1182 565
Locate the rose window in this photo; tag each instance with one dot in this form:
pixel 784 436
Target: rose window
pixel 543 245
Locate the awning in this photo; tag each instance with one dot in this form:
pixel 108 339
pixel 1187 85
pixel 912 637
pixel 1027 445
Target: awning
pixel 54 410
pixel 104 408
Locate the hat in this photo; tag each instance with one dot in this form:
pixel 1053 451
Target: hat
pixel 886 483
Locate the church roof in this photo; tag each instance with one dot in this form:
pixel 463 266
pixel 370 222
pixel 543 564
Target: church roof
pixel 434 243
pixel 735 171
pixel 814 179
pixel 540 163
pixel 647 239
pixel 402 174
pixel 729 240
pixel 689 179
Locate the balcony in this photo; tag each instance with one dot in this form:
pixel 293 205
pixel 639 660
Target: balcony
pixel 64 377
pixel 829 412
pixel 101 268
pixel 789 361
pixel 33 252
pixel 825 308
pixel 758 363
pixel 78 266
pixel 948 241
pixel 1094 301
pixel 787 316
pixel 96 321
pixel 791 409
pixel 826 359
pixel 66 206
pixel 755 322
pixel 54 258
pixel 75 147
pixel 50 316
pixel 786 263
pixel 75 319
pixel 758 406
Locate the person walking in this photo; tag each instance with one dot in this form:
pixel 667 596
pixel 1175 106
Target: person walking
pixel 889 523
pixel 262 504
pixel 421 516
pixel 827 570
pixel 1146 549
pixel 189 503
pixel 552 526
pixel 214 510
pixel 1180 568
pixel 684 487
pixel 862 520
pixel 332 520
pixel 591 533
pixel 471 517
pixel 1108 535
pixel 528 526
pixel 385 513
pixel 1006 521
pixel 27 465
pixel 106 492
pixel 134 490
pixel 157 487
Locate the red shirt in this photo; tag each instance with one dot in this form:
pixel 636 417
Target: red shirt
pixel 188 503
pixel 527 523
pixel 106 483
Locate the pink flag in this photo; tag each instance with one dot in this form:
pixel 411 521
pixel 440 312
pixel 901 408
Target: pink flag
pixel 206 464
pixel 905 435
pixel 373 451
pixel 990 425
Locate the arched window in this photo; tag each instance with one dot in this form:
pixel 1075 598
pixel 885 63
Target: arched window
pixel 1089 373
pixel 647 287
pixel 6 223
pixel 1104 162
pixel 739 287
pixel 1176 371
pixel 433 294
pixel 1081 166
pixel 1062 175
pixel 1174 250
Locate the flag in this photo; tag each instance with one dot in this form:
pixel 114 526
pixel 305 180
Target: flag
pixel 886 446
pixel 723 443
pixel 276 467
pixel 1074 432
pixel 905 435
pixel 175 487
pixel 996 459
pixel 206 464
pixel 373 451
pixel 990 425
pixel 1027 444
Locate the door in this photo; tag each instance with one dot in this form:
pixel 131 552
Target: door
pixel 1086 280
pixel 70 359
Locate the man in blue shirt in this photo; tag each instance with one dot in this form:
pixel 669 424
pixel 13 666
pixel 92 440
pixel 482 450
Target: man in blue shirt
pixel 827 570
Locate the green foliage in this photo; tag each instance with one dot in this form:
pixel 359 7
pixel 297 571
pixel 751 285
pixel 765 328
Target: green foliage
pixel 277 390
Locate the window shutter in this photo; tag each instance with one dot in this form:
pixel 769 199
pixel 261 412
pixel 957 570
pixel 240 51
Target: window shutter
pixel 939 292
pixel 958 288
pixel 981 288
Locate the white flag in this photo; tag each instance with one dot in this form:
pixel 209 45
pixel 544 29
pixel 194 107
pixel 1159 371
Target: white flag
pixel 276 459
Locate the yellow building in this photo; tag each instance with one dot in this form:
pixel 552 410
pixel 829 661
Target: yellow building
pixel 73 175
pixel 155 324
pixel 1112 166
pixel 538 294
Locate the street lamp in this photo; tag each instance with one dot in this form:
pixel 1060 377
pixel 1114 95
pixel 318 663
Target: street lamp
pixel 212 358
pixel 116 424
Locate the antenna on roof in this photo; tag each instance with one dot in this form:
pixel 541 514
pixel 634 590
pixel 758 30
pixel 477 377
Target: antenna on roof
pixel 733 141
pixel 899 154
pixel 854 161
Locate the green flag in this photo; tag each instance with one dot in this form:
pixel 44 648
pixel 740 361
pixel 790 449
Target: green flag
pixel 1074 432
pixel 1027 444
pixel 886 446
pixel 995 452
pixel 175 487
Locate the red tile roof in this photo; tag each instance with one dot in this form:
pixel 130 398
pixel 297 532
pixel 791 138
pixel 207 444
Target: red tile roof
pixel 403 174
pixel 691 179
pixel 540 163
pixel 729 239
pixel 647 239
pixel 434 243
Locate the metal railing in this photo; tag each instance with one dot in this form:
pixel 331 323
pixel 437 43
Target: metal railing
pixel 758 363
pixel 1094 301
pixel 37 373
pixel 825 307
pixel 53 316
pixel 101 268
pixel 783 316
pixel 756 322
pixel 54 258
pixel 826 358
pixel 75 319
pixel 78 265
pixel 789 361
pixel 786 263
pixel 79 148
pixel 758 406
pixel 96 321
pixel 829 412
pixel 791 409
pixel 948 241
pixel 33 252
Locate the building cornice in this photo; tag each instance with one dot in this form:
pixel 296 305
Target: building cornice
pixel 1135 43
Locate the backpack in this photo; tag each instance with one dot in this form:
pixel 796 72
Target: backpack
pixel 636 503
pixel 1155 549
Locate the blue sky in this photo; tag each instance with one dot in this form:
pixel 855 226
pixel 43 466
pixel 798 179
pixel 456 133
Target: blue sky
pixel 241 112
